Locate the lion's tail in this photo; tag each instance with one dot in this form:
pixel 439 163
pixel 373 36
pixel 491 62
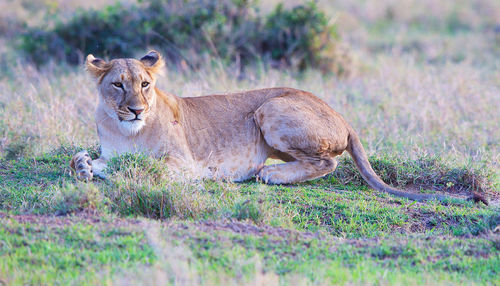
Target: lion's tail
pixel 359 156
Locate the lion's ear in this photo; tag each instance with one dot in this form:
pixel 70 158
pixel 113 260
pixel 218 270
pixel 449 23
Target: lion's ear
pixel 153 61
pixel 96 67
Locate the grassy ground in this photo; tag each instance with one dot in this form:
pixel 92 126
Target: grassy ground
pixel 423 94
pixel 319 232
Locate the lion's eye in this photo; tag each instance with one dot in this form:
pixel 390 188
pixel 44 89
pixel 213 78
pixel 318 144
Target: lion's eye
pixel 118 84
pixel 145 84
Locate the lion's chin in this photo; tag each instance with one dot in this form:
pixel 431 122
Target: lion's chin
pixel 132 127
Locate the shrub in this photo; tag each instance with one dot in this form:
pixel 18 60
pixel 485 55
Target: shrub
pixel 300 36
pixel 191 32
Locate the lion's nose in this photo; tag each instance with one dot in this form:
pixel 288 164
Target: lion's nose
pixel 135 111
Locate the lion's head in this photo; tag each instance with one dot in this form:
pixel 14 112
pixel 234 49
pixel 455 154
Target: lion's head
pixel 127 88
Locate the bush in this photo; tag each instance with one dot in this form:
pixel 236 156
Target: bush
pixel 190 32
pixel 301 35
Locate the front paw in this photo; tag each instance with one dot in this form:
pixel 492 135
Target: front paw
pixel 82 164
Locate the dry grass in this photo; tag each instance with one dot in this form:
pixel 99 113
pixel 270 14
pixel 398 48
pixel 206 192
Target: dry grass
pixel 415 91
pixel 396 106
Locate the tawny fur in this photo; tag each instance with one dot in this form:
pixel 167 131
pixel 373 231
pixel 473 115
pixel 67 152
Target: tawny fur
pixel 226 136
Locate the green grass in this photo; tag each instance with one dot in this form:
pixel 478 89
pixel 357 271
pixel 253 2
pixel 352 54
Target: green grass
pixel 328 260
pixel 322 231
pixel 142 186
pixel 48 250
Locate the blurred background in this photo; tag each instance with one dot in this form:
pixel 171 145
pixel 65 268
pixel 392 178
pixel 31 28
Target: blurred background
pixel 415 78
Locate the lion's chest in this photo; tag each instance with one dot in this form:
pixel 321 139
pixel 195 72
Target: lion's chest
pixel 118 146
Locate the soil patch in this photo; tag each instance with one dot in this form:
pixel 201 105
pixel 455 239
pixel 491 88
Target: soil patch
pixel 244 229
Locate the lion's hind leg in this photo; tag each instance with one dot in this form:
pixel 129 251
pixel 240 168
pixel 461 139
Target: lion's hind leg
pixel 303 130
pixel 296 171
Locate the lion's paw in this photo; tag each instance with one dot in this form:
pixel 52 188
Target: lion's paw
pixel 270 175
pixel 82 164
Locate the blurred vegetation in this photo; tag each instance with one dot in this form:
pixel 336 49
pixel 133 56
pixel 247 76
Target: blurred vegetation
pixel 191 33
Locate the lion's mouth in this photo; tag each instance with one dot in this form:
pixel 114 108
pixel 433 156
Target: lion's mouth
pixel 130 120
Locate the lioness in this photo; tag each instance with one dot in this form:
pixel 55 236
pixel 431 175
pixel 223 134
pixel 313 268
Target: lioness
pixel 226 136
